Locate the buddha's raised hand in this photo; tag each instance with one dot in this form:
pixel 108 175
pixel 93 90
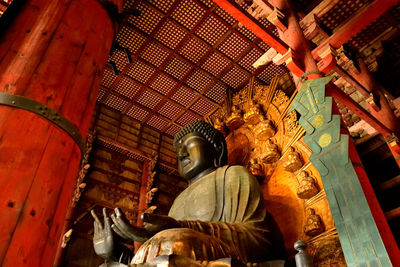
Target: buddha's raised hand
pixel 154 224
pixel 103 240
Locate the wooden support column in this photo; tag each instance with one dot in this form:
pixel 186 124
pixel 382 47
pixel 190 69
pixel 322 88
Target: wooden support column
pixel 53 53
pixel 294 37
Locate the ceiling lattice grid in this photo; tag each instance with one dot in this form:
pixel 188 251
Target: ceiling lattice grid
pixel 183 56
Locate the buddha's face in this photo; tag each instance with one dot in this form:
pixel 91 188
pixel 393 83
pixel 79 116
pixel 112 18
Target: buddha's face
pixel 195 155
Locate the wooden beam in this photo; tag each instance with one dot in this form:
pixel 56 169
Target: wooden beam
pixel 123 147
pixel 253 25
pixel 388 184
pixel 342 97
pixel 392 214
pixel 83 214
pixel 351 80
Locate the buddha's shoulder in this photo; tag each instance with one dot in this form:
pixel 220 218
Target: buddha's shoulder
pixel 238 171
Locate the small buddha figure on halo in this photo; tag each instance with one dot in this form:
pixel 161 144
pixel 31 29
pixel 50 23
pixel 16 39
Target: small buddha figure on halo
pixel 292 162
pixel 271 153
pixel 234 120
pixel 314 225
pixel 256 169
pixel 220 215
pixel 264 130
pixel 253 114
pixel 307 187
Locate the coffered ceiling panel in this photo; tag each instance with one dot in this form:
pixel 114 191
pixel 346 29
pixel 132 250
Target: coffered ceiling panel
pixel 141 71
pixel 137 112
pixel 127 87
pixel 342 11
pixel 188 14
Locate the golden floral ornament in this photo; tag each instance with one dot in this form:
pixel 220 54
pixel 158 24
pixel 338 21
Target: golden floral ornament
pixel 256 168
pixel 220 126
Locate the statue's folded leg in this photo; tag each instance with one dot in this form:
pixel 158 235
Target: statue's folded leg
pixel 183 242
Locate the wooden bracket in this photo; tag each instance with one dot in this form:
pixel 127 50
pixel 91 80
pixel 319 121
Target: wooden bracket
pixel 312 30
pixel 328 59
pixel 373 102
pixel 276 18
pixel 289 59
pixel 266 58
pixel 346 61
pixel 260 9
pixel 393 140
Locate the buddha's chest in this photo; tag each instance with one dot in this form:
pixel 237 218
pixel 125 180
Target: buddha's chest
pixel 197 202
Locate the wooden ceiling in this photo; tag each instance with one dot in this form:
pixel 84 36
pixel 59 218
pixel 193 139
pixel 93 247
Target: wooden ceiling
pixel 185 54
pixel 173 63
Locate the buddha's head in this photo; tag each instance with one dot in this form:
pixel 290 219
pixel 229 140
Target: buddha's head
pixel 200 148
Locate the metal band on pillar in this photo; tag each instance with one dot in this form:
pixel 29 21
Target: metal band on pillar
pixel 44 111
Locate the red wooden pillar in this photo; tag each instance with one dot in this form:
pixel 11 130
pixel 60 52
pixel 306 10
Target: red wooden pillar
pixel 53 53
pixel 294 37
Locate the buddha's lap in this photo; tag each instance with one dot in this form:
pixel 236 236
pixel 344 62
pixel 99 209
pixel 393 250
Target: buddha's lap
pixel 183 242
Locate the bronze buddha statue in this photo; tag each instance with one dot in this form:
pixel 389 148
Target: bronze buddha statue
pixel 221 213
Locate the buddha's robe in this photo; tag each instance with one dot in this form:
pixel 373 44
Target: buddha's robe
pixel 222 215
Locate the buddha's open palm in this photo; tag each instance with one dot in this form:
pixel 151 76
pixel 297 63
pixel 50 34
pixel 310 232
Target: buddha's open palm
pixel 154 224
pixel 103 240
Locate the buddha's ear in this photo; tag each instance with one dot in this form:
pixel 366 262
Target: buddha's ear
pixel 220 153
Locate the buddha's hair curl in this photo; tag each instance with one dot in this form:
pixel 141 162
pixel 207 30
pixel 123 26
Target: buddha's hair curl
pixel 206 130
